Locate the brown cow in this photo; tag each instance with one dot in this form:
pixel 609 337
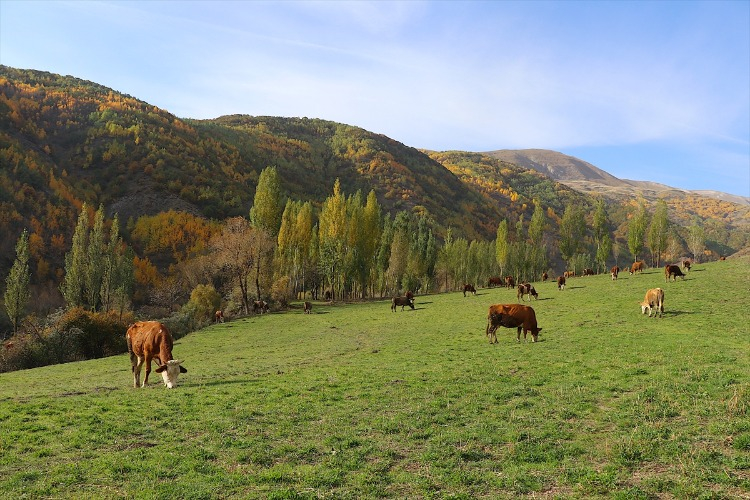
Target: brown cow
pixel 409 295
pixel 512 316
pixel 561 282
pixel 637 267
pixel 260 306
pixel 654 300
pixel 569 274
pixel 672 270
pixel 401 301
pixel 588 272
pixel 219 317
pixel 149 340
pixel 614 272
pixel 686 264
pixel 307 307
pixel 494 281
pixel 526 289
pixel 469 288
pixel 545 276
pixel 509 282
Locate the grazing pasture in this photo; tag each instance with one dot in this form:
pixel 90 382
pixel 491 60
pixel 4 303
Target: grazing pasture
pixel 353 401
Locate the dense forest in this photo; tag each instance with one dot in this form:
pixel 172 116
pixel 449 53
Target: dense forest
pixel 357 214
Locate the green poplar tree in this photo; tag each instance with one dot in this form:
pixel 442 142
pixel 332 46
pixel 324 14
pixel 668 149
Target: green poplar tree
pixel 73 284
pixel 17 293
pixel 658 232
pixel 501 245
pixel 95 262
pixel 267 205
pixel 637 231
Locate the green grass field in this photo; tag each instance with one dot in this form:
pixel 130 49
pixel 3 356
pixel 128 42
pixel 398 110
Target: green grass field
pixel 354 401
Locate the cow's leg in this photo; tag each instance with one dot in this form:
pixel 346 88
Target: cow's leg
pixel 518 335
pixel 148 371
pixel 136 363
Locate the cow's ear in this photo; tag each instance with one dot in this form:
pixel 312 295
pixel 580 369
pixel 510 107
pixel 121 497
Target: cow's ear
pixel 183 369
pixel 538 330
pixel 161 368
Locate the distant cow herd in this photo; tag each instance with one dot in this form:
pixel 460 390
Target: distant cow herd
pixel 149 341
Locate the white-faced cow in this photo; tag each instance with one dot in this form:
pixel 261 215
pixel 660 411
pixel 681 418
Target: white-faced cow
pixel 401 301
pixel 686 264
pixel 671 270
pixel 512 316
pixel 260 306
pixel 653 301
pixel 149 340
pixel 219 317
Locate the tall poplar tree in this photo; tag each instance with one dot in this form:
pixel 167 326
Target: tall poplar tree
pixel 95 262
pixel 17 293
pixel 572 229
pixel 72 287
pixel 501 245
pixel 267 205
pixel 658 232
pixel 602 239
pixel 696 239
pixel 637 231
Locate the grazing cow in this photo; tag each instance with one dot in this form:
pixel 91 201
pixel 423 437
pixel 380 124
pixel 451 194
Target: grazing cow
pixel 588 272
pixel 545 276
pixel 614 272
pixel 654 300
pixel 569 274
pixel 401 301
pixel 722 258
pixel 494 281
pixel 509 282
pixel 149 340
pixel 526 289
pixel 307 307
pixel 409 295
pixel 686 265
pixel 260 306
pixel 219 317
pixel 512 316
pixel 561 282
pixel 637 267
pixel 672 270
pixel 469 288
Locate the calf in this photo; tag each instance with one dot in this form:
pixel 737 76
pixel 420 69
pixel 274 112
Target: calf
pixel 219 317
pixel 260 306
pixel 588 272
pixel 672 270
pixel 686 265
pixel 307 307
pixel 526 289
pixel 509 282
pixel 512 316
pixel 470 289
pixel 401 301
pixel 614 272
pixel 149 340
pixel 561 283
pixel 637 267
pixel 545 276
pixel 654 300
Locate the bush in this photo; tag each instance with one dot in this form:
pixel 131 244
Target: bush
pixel 203 303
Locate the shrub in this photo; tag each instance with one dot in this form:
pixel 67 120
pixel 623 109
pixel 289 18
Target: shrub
pixel 203 303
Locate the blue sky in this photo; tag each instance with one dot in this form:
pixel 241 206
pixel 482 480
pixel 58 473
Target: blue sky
pixel 656 91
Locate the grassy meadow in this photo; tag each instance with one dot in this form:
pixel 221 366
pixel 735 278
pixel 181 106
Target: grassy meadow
pixel 354 401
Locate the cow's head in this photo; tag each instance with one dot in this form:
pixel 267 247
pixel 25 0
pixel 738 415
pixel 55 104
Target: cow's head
pixel 170 371
pixel 535 334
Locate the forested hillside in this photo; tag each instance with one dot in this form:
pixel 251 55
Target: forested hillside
pixel 175 182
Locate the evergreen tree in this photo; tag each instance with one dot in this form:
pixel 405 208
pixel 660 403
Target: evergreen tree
pixel 73 284
pixel 17 292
